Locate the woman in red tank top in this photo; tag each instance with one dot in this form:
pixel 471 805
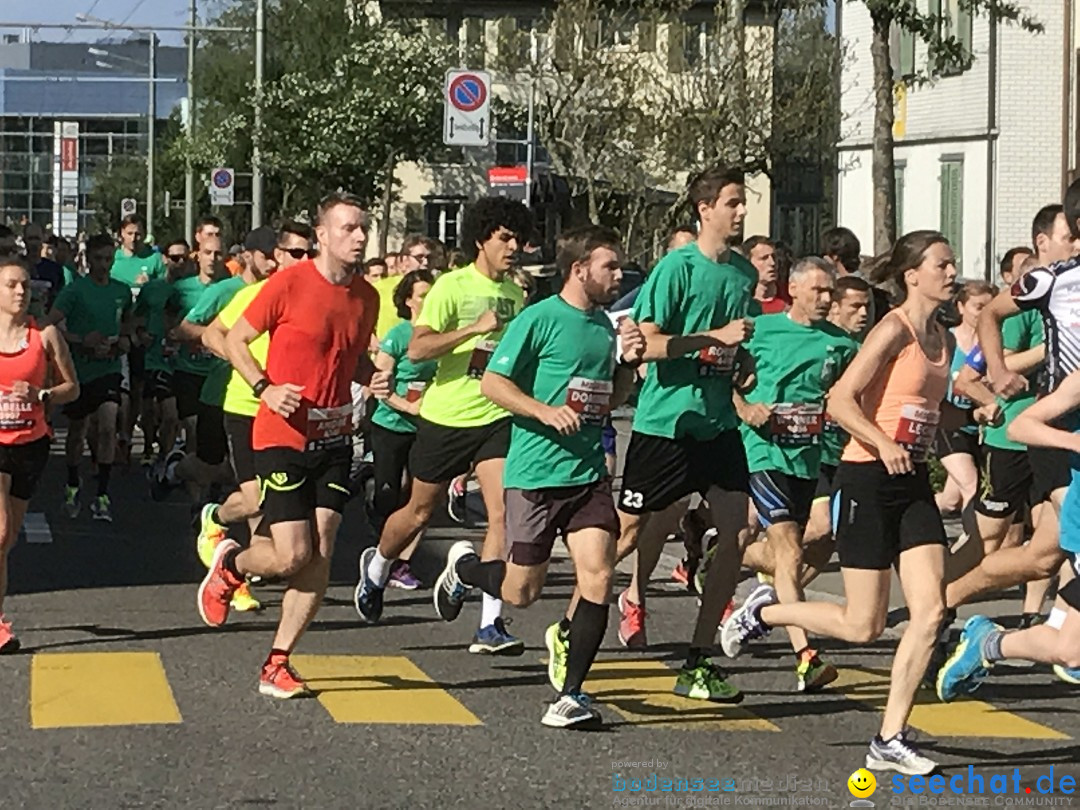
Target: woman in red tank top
pixel 891 401
pixel 35 371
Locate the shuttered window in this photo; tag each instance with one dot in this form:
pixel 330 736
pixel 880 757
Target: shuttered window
pixel 952 204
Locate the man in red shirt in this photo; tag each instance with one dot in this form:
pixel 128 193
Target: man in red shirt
pixel 770 293
pixel 320 314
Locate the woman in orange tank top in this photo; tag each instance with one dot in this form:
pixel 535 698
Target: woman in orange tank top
pixel 29 357
pixel 890 400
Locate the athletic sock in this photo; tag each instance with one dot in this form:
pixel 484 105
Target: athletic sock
pixel 379 569
pixel 487 576
pixel 104 470
pixel 695 656
pixel 214 514
pixel 586 634
pixel 490 607
pixel 991 648
pixel 1056 618
pixel 564 625
pixel 73 476
pixel 229 564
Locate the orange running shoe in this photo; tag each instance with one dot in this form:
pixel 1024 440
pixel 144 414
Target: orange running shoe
pixel 632 624
pixel 279 680
pixel 218 586
pixel 8 642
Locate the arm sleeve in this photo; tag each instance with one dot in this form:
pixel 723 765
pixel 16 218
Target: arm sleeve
pixel 269 305
pixel 439 310
pixel 1032 290
pixel 975 360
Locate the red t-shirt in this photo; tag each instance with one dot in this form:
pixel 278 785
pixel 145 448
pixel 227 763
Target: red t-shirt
pixel 318 331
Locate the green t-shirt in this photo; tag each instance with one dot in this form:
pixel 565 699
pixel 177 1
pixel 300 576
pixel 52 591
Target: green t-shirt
pixel 796 365
pixel 1019 333
pixel 138 269
pixel 454 301
pixel 150 306
pixel 90 307
pixel 410 379
pixel 687 293
pixel 190 358
pixel 239 398
pixel 210 303
pixel 559 355
pixel 833 437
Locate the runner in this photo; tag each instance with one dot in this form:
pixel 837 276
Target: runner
pixel 555 370
pixel 96 312
pixel 760 251
pixel 464 317
pixel 320 315
pixel 958 450
pixel 797 357
pixel 984 643
pixel 393 424
pixel 886 504
pixel 27 357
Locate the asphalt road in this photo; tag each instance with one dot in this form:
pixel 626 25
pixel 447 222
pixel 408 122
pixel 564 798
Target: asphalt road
pixel 122 698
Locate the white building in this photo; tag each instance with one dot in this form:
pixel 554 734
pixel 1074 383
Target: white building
pixel 977 152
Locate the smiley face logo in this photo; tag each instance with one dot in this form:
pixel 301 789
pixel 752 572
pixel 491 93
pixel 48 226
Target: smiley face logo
pixel 862 784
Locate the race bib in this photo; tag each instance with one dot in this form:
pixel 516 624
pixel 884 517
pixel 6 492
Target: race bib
pixel 329 427
pixel 480 357
pixel 793 424
pixel 915 431
pixel 15 415
pixel 716 360
pixel 415 390
pixel 591 399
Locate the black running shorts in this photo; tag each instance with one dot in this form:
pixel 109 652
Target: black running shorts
pixel 880 516
pixel 187 387
pixel 211 443
pixel 781 498
pixel 24 463
pixel 94 394
pixel 442 453
pixel 238 430
pixel 1070 593
pixel 1049 472
pixel 1005 482
pixel 294 483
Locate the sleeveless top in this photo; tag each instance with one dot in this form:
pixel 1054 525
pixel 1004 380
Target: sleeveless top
pixel 23 422
pixel 905 401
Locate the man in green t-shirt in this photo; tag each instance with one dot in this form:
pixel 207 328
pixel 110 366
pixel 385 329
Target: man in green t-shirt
pixel 96 313
pixel 555 371
pixel 797 356
pixel 463 319
pixel 693 310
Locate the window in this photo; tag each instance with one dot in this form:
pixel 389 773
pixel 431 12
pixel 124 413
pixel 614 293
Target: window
pixel 442 219
pixel 898 183
pixel 954 21
pixel 472 43
pixel 952 204
pixel 646 32
pixel 902 52
pixel 617 34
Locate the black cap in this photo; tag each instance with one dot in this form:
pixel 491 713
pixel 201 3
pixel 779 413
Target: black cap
pixel 262 239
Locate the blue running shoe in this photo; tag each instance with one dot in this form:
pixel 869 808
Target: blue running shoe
pixel 966 668
pixel 494 640
pixel 368 597
pixel 1068 674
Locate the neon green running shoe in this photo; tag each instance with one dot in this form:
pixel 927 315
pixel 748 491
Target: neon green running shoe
pixel 706 681
pixel 558 647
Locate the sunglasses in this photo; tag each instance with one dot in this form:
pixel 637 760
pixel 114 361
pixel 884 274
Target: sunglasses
pixel 175 257
pixel 298 253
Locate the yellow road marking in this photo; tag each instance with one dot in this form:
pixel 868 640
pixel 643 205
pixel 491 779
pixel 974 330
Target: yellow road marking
pixel 380 689
pixel 71 690
pixel 641 692
pixel 964 718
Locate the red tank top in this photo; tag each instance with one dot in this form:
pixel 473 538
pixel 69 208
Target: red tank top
pixel 23 422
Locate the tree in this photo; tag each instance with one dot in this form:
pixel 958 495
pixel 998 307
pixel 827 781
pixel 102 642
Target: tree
pixel 946 52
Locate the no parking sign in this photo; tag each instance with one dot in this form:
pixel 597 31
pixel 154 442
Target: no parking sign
pixel 467 120
pixel 222 185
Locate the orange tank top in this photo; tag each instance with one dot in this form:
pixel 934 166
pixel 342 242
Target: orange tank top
pixel 905 400
pixel 23 422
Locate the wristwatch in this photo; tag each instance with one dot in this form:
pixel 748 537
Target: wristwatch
pixel 258 388
pixel 44 395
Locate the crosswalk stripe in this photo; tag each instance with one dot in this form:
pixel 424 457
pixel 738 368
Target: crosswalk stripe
pixel 641 692
pixel 964 718
pixel 36 528
pixel 380 689
pixel 71 690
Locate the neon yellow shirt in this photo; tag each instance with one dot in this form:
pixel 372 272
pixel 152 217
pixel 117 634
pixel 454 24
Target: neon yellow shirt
pixel 239 398
pixel 456 300
pixel 388 317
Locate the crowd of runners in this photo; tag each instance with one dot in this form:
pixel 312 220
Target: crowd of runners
pixel 783 410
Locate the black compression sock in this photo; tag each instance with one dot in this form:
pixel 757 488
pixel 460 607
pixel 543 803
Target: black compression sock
pixel 104 471
pixel 73 476
pixel 487 576
pixel 229 563
pixel 586 634
pixel 564 625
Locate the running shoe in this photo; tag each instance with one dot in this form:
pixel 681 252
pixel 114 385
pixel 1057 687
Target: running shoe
pixel 966 668
pixel 898 754
pixel 569 711
pixel 210 534
pixel 456 506
pixel 706 681
pixel 745 623
pixel 812 673
pixel 101 508
pixel 243 601
pixel 218 586
pixel 708 542
pixel 450 591
pixel 558 647
pixel 8 642
pixel 729 608
pixel 147 458
pixel 401 576
pixel 71 502
pixel 159 484
pixel 681 573
pixel 632 624
pixel 494 640
pixel 279 680
pixel 368 597
pixel 1067 674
